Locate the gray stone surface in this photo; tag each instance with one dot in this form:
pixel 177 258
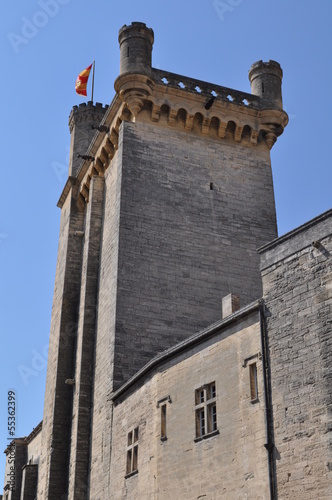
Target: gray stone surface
pixel 297 288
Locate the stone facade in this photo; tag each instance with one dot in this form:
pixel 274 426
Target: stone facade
pixel 297 284
pixel 229 462
pixel 169 195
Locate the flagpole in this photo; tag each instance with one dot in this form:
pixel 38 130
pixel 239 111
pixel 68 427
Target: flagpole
pixel 93 80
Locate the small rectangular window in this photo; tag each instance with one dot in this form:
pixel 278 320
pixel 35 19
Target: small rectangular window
pixel 206 410
pixel 135 456
pixel 253 382
pixel 132 452
pixel 162 404
pixel 213 417
pixel 200 430
pixel 163 435
pixel 129 461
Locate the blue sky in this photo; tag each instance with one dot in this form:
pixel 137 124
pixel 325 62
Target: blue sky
pixel 46 43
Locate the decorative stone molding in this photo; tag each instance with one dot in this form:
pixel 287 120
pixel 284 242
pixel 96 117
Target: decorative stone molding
pixel 133 89
pixel 190 104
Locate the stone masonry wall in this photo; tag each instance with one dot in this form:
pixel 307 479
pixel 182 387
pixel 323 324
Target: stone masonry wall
pixel 231 464
pixel 193 212
pixel 81 420
pixel 34 449
pixel 53 468
pixel 183 217
pixel 101 430
pixel 297 284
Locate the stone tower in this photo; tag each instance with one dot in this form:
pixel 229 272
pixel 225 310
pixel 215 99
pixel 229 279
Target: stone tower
pixel 159 221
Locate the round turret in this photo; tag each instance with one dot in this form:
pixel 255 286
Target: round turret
pixel 136 42
pixel 265 79
pixel 82 119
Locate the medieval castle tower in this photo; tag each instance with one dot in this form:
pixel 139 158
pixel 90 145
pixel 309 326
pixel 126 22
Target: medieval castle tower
pixel 190 348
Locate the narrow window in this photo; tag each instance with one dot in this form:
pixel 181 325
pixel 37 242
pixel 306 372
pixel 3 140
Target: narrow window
pixel 163 435
pixel 129 461
pixel 200 423
pixel 132 452
pixel 162 404
pixel 213 417
pixel 206 410
pixel 263 90
pixel 135 454
pixel 127 51
pixel 253 382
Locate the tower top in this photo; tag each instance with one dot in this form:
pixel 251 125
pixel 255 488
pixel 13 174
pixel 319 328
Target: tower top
pixel 82 120
pixel 136 41
pixel 265 79
pixel 86 112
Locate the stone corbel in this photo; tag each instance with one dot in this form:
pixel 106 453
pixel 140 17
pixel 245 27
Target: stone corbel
pixel 155 113
pixel 99 167
pixel 270 139
pixel 133 90
pixel 85 192
pixel 109 148
pixel 238 133
pixel 81 202
pixel 172 116
pixel 114 137
pixel 254 137
pixel 222 130
pixel 205 126
pixel 135 105
pixel 103 155
pixel 88 180
pixel 189 122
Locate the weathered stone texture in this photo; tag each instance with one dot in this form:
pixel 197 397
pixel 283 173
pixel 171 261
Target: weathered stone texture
pixel 231 464
pixel 171 248
pixel 34 446
pixel 29 482
pixel 297 284
pixel 53 470
pixel 184 243
pixel 105 332
pixel 82 401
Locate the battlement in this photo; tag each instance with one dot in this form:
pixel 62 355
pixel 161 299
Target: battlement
pixel 85 111
pixel 83 120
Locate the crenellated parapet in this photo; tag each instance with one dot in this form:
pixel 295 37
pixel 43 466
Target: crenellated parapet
pixel 86 112
pixel 83 121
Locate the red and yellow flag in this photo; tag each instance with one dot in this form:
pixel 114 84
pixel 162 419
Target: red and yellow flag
pixel 82 81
